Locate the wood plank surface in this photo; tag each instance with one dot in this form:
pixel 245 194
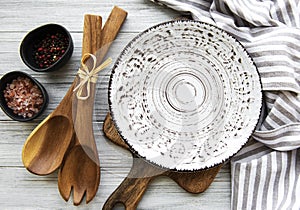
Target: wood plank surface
pixel 20 189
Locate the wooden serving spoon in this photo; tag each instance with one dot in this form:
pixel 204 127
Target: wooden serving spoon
pixel 45 147
pixel 81 171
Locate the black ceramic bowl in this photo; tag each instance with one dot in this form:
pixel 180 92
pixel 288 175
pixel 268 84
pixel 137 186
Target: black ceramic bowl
pixel 7 79
pixel 32 43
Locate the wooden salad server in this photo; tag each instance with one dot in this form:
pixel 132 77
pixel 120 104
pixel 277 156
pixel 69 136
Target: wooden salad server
pixel 81 168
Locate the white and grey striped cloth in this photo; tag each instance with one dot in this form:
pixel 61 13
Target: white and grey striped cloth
pixel 265 173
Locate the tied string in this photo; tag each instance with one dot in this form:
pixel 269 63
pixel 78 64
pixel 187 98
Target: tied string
pixel 87 76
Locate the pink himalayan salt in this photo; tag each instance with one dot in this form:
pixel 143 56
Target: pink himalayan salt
pixel 23 97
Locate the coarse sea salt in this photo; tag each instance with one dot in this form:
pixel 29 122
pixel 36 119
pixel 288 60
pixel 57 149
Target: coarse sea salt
pixel 23 97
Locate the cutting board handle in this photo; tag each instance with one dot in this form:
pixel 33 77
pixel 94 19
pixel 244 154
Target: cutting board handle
pixel 131 190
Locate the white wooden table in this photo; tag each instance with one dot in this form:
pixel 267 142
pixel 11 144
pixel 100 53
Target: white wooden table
pixel 20 189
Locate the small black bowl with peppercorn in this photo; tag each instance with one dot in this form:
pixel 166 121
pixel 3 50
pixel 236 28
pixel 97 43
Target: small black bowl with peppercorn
pixel 47 48
pixel 22 97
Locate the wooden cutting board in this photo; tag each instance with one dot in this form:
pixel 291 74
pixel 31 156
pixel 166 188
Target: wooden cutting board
pixel 142 173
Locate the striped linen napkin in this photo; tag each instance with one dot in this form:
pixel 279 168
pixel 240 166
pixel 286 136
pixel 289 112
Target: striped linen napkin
pixel 266 172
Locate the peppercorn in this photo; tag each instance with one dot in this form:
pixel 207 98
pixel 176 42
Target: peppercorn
pixel 49 49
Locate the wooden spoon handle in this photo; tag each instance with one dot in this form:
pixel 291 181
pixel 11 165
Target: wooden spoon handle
pixel 131 190
pixel 111 29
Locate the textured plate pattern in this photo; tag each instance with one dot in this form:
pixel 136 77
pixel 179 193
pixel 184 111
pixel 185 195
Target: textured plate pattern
pixel 185 95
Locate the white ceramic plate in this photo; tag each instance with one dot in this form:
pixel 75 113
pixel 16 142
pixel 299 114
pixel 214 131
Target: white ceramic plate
pixel 185 95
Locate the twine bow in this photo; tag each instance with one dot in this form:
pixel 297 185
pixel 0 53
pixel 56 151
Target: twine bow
pixel 87 76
